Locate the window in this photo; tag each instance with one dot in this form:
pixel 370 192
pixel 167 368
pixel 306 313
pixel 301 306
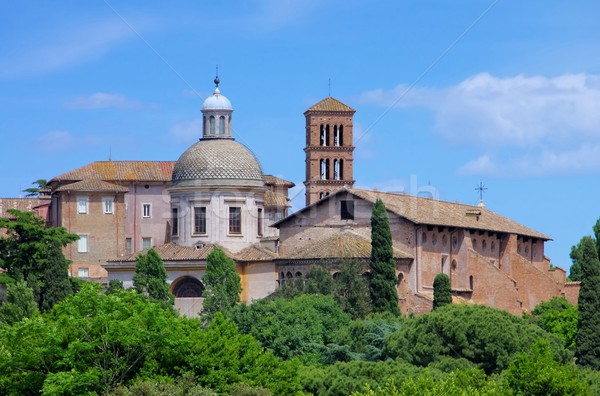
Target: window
pixel 82 204
pixel 146 210
pixel 424 238
pixel 336 169
pixel 221 125
pixel 200 220
pixel 278 215
pixel 108 205
pixel 336 136
pixel 235 220
pixel 82 243
pixel 475 244
pixel 484 246
pixel 83 272
pixel 259 230
pixel 128 245
pixel 174 222
pixel 347 210
pixel 146 243
pixel 212 125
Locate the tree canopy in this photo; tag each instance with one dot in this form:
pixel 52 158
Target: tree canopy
pixel 442 291
pixel 222 283
pixel 150 277
pixel 383 279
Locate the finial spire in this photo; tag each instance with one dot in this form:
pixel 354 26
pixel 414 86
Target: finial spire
pixel 329 87
pixel 217 81
pixel 481 188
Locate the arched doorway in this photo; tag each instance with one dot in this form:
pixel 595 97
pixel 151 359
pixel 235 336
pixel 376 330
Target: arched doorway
pixel 187 286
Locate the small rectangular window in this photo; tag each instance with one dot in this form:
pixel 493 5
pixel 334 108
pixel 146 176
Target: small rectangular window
pixel 146 243
pixel 347 210
pixel 278 215
pixel 83 272
pixel 200 220
pixel 82 243
pixel 174 222
pixel 235 220
pixel 108 205
pixel 146 210
pixel 259 231
pixel 82 204
pixel 128 245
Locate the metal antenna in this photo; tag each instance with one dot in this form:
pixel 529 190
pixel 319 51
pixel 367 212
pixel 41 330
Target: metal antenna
pixel 481 188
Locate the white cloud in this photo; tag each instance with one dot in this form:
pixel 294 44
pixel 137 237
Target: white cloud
pixel 67 46
pixel 55 141
pixel 187 131
pixel 102 100
pixel 543 121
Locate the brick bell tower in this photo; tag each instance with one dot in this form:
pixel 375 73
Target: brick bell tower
pixel 329 148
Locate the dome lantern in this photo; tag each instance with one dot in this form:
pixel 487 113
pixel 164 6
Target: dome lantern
pixel 216 115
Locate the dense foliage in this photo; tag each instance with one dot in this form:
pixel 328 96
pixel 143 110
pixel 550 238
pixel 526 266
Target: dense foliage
pixel 559 317
pixel 587 342
pixel 575 273
pixel 31 252
pixel 222 283
pixel 150 277
pixel 442 291
pixel 382 282
pixel 485 336
pixel 93 342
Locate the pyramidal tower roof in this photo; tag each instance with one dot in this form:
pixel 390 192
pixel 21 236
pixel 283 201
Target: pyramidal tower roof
pixel 330 104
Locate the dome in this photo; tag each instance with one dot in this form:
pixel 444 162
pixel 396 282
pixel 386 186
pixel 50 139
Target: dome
pixel 217 102
pixel 217 162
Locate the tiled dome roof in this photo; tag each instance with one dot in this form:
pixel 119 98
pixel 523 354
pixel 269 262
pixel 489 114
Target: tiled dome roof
pixel 219 162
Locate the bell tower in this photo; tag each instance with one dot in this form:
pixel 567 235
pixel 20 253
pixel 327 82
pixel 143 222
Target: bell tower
pixel 329 148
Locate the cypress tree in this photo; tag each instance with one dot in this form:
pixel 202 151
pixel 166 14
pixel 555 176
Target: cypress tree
pixel 150 277
pixel 442 291
pixel 55 285
pixel 587 342
pixel 222 282
pixel 575 273
pixel 382 282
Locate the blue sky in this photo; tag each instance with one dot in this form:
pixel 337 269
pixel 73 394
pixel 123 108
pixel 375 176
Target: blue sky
pixel 447 93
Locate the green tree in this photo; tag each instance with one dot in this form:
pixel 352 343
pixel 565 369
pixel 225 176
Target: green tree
pixel 318 280
pixel 559 317
pixel 300 327
pixel 41 185
pixel 488 337
pixel 150 277
pixel 575 273
pixel 442 291
pixel 19 303
pixel 351 290
pixel 115 286
pixel 587 342
pixel 55 285
pixel 535 372
pixel 28 251
pixel 222 282
pixel 383 279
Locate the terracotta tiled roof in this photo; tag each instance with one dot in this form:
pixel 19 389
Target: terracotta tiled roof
pixel 330 104
pixel 22 204
pixel 255 253
pixel 121 171
pixel 344 244
pixel 174 252
pixel 441 213
pixel 271 180
pixel 276 199
pixel 92 185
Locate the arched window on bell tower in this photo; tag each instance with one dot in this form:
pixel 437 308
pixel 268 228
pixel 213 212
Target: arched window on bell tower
pixel 336 169
pixel 341 132
pixel 322 135
pixel 336 135
pixel 341 166
pixel 323 169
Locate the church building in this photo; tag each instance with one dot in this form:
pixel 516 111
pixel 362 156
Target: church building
pixel 216 194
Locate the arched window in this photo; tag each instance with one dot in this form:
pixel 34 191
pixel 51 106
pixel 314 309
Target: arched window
pixel 444 240
pixel 322 134
pixel 484 246
pixel 471 282
pixel 221 125
pixel 323 167
pixel 212 125
pixel 336 169
pixel 188 286
pixel 327 169
pixel 492 247
pixel 322 195
pixel 475 244
pixel 336 136
pixel 327 135
pixel 341 130
pixel 341 169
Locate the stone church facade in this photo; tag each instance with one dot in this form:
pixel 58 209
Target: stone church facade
pixel 216 194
